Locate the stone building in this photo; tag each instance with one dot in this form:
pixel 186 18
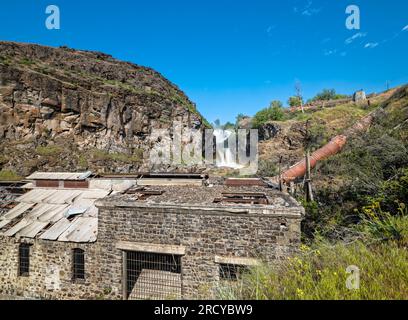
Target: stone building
pixel 75 236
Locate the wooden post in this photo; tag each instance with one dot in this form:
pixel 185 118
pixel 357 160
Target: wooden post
pixel 280 174
pixel 308 180
pixel 308 184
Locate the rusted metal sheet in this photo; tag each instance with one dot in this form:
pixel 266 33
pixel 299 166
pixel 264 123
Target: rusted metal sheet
pixel 76 184
pixel 244 182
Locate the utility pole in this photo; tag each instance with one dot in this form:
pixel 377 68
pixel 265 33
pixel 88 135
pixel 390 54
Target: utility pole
pixel 298 89
pixel 308 182
pixel 308 178
pixel 280 174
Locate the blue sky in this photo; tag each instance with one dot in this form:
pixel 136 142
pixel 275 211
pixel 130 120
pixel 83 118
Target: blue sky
pixel 230 56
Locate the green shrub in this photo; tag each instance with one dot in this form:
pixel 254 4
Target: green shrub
pixel 275 112
pixel 27 62
pixel 267 168
pixel 8 175
pixel 328 94
pixel 47 151
pixel 295 101
pixel 380 225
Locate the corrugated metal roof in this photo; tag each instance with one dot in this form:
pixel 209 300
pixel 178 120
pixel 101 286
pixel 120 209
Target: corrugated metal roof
pixel 81 230
pixel 31 230
pixel 73 176
pixel 16 228
pixel 41 212
pixel 56 230
pixel 18 210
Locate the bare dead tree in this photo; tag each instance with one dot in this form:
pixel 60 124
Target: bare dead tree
pixel 298 90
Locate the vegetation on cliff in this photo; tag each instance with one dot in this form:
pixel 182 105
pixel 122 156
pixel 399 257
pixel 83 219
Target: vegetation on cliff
pixel 359 216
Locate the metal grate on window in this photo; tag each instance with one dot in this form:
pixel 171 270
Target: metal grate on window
pixel 24 260
pixel 152 276
pixel 78 264
pixel 232 272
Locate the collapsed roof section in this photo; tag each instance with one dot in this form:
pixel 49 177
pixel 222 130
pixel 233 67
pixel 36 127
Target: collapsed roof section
pixel 59 207
pixel 64 206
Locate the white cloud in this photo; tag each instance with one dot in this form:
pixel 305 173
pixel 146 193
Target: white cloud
pixel 307 9
pixel 371 45
pixel 405 28
pixel 270 28
pixel 330 52
pixel 354 37
pixel 310 12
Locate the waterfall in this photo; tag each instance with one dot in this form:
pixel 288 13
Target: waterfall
pixel 225 157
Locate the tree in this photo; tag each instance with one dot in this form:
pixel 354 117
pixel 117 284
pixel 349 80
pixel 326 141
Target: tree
pixel 239 118
pixel 298 89
pixel 275 112
pixel 228 126
pixel 328 94
pixel 295 101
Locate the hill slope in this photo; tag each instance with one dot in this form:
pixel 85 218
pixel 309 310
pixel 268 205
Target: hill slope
pixel 62 109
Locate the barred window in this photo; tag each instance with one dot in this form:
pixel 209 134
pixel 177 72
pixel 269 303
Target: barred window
pixel 232 271
pixel 78 272
pixel 24 260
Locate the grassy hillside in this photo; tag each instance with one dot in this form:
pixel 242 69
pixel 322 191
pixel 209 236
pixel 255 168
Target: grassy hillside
pixel 359 218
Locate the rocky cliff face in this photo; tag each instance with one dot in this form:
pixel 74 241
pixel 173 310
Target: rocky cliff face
pixel 62 109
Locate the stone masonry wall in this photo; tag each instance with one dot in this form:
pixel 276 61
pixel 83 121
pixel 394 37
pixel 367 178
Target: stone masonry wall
pixel 50 275
pixel 203 234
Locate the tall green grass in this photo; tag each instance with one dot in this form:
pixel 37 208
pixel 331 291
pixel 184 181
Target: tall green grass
pixel 320 273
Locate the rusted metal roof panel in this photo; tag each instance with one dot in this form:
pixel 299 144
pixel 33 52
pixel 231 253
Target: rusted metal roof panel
pixel 245 182
pixel 73 176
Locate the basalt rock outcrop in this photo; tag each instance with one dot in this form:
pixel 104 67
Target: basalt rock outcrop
pixel 64 109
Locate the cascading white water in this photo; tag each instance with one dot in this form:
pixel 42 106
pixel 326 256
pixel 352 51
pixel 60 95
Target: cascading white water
pixel 225 157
